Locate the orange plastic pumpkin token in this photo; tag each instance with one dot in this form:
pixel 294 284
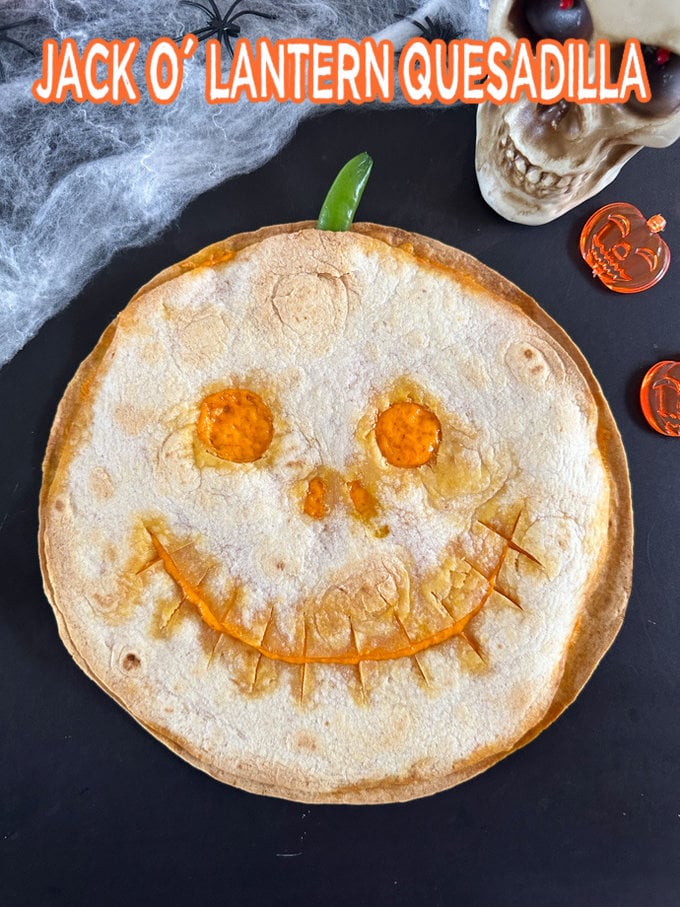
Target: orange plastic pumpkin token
pixel 660 397
pixel 624 250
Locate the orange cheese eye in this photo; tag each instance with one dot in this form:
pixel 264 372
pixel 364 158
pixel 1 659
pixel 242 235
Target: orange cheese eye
pixel 408 434
pixel 235 425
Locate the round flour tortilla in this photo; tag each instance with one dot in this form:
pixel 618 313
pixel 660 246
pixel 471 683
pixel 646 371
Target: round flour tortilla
pixel 414 625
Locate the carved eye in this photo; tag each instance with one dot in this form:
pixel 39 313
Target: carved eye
pixel 559 19
pixel 408 434
pixel 235 425
pixel 663 73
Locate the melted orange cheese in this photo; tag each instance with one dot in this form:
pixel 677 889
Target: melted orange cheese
pixel 364 502
pixel 409 647
pixel 235 425
pixel 408 434
pixel 315 499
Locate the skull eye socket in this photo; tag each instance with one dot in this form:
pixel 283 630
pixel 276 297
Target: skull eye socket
pixel 235 425
pixel 663 73
pixel 408 434
pixel 558 19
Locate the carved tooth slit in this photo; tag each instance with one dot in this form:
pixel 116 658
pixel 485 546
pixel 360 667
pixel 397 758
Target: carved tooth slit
pixel 509 540
pixel 508 598
pixel 148 566
pixel 256 672
pixel 213 652
pixel 267 625
pixel 304 663
pixel 474 645
pixel 421 670
pixel 439 605
pixel 166 623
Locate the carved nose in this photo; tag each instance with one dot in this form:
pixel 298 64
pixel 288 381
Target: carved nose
pixel 325 491
pixel 317 500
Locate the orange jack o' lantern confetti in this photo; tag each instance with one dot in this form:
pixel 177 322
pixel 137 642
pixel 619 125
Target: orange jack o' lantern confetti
pixel 660 398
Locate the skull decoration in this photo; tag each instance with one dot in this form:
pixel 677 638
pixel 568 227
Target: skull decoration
pixel 624 250
pixel 535 162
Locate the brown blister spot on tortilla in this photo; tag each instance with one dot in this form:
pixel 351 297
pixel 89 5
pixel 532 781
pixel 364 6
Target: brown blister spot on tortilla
pixel 306 311
pixel 527 363
pixel 101 484
pixel 107 604
pixel 152 353
pixel 134 419
pixel 399 727
pixel 117 606
pixel 131 662
pixel 305 742
pixel 200 337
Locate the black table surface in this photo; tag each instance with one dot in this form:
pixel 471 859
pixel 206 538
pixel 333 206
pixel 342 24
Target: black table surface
pixel 93 810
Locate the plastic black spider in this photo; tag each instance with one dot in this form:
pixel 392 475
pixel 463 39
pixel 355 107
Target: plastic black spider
pixel 6 38
pixel 220 26
pixel 434 30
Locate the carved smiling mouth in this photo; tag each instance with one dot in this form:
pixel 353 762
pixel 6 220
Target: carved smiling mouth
pixel 348 625
pixel 531 179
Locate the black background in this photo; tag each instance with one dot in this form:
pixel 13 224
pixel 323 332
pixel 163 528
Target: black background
pixel 93 810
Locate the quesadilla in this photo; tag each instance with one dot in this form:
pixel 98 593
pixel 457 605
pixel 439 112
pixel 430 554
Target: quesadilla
pixel 338 517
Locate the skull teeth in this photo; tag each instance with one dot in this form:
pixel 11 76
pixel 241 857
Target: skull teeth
pixel 519 170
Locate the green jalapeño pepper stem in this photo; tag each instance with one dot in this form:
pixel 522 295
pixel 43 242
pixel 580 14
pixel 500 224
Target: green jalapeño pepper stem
pixel 342 201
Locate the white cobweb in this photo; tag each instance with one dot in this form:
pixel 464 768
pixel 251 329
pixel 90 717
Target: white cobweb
pixel 80 182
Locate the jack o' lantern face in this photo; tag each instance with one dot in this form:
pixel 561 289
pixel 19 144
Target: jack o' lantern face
pixel 320 503
pixel 660 397
pixel 624 250
pixel 335 505
pixel 373 609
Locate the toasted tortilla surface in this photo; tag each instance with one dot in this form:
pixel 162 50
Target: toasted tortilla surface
pixel 520 527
